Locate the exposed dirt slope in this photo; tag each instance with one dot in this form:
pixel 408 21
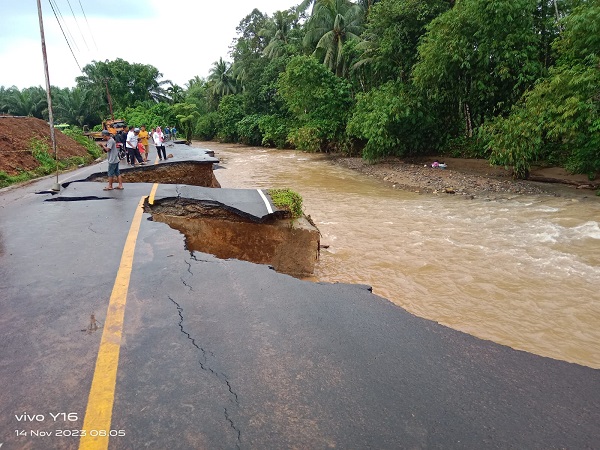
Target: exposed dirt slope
pixel 15 137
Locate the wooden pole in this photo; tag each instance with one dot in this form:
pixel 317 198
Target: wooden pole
pixel 56 186
pixel 112 116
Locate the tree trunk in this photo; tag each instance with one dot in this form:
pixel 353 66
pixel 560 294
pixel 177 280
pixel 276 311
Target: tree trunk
pixel 557 17
pixel 468 122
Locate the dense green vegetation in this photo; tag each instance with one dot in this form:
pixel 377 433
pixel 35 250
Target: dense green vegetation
pixel 515 81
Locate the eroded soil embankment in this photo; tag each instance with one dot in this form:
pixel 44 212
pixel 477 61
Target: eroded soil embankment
pixel 290 246
pixel 188 172
pixel 16 134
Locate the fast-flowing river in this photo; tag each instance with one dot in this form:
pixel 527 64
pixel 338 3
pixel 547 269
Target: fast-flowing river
pixel 523 272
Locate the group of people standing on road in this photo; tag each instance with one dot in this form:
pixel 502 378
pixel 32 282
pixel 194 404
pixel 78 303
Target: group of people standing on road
pixel 136 144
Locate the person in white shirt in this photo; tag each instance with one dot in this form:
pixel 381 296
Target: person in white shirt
pixel 159 140
pixel 132 146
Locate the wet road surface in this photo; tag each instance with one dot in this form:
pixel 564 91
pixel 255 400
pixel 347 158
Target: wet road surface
pixel 227 354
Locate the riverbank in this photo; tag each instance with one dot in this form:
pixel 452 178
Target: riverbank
pixel 470 177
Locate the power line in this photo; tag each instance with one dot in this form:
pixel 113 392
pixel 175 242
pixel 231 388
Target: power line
pixel 88 24
pixel 77 23
pixel 61 29
pixel 65 23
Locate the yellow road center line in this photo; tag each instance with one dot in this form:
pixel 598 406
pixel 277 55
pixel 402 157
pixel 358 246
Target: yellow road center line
pixel 102 393
pixel 152 194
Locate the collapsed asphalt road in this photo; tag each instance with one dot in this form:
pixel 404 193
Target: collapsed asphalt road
pixel 228 354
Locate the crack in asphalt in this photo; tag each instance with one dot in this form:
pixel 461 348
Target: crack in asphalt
pixel 204 365
pixel 189 286
pixel 195 258
pixel 232 425
pixel 78 199
pixel 189 267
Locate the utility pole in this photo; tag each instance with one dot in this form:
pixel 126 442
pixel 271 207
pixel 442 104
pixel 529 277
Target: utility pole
pixel 112 116
pixel 56 186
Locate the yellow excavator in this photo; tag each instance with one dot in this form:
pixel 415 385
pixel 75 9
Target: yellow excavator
pixel 113 126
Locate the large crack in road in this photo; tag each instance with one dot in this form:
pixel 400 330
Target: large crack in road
pixel 206 366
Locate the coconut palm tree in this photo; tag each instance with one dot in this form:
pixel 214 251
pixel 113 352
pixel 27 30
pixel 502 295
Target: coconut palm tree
pixel 175 93
pixel 331 24
pixel 221 78
pixel 159 93
pixel 194 82
pixel 277 31
pixel 304 5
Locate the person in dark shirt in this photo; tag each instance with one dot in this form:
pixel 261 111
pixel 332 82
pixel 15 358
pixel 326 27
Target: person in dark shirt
pixel 113 161
pixel 120 139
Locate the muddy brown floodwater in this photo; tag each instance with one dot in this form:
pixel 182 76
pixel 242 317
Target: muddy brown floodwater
pixel 523 272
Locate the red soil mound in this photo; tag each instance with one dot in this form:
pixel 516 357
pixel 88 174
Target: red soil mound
pixel 15 137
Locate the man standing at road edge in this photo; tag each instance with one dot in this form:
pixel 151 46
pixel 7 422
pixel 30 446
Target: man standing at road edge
pixel 113 161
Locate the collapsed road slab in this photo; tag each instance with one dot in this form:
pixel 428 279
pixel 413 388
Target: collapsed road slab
pixel 252 204
pixel 238 223
pixel 187 165
pixel 229 223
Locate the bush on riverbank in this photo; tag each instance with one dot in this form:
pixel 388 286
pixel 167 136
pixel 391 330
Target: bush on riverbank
pixel 288 200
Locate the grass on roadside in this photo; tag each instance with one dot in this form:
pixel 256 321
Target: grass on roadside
pixel 91 146
pixel 287 199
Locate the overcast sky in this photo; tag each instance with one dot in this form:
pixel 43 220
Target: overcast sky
pixel 181 38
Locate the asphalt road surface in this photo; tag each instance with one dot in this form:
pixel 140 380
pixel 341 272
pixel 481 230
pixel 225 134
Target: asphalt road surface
pixel 186 351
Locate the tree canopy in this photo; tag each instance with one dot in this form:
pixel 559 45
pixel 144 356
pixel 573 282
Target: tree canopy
pixel 513 81
pixel 126 83
pixel 559 119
